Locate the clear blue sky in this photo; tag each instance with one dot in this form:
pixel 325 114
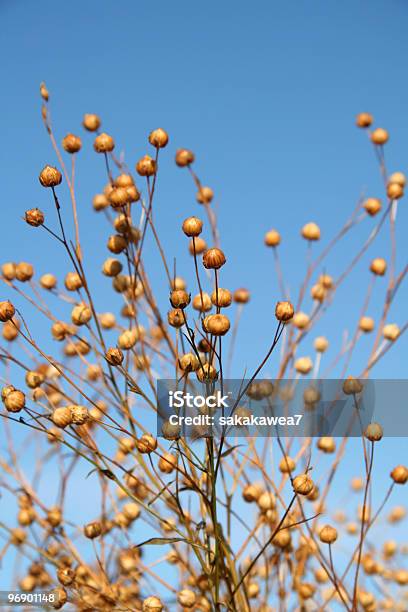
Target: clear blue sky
pixel 265 94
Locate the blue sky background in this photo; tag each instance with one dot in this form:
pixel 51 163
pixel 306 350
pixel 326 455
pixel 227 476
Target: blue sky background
pixel 266 95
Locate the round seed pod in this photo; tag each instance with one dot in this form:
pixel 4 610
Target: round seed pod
pixel 284 311
pixel 104 143
pixel 111 267
pixel 216 324
pixel 44 93
pixel 91 122
pixel 114 356
pixel 100 201
pixel 213 259
pixel 159 138
pixel 107 320
pixel 352 386
pixel 318 293
pixel 152 604
pixel 50 176
pixel 34 379
pixel 328 534
pixel 303 484
pixel 326 444
pixel 146 444
pixel 202 302
pixel 287 465
pixel 175 318
pixel 54 516
pixel 73 281
pixel 146 166
pixel 8 270
pixel 266 501
pixel 222 298
pixel 395 191
pixel 179 298
pixel 391 331
pixel 364 120
pixel 116 243
pixel 167 463
pixel 66 576
pixel 71 143
pixel 79 414
pixel 379 136
pixel 206 373
pixel 128 339
pixel 7 311
pixel 198 244
pixel 372 206
pixel 303 365
pixel 399 178
pixel 81 314
pixel 252 492
pixel 282 539
pixel 189 362
pixel 14 401
pixel 62 417
pixel 34 217
pixel 24 271
pixel 373 432
pixel 321 344
pixel 272 238
pixel 311 231
pixel 192 226
pixel 241 296
pixel 300 320
pixel 170 431
pixel 186 598
pixel 124 180
pixel 366 324
pixel 93 530
pixel 48 281
pixel 184 157
pixel 400 474
pixel 305 590
pixel 131 510
pixel 118 197
pixel 10 330
pixel 204 195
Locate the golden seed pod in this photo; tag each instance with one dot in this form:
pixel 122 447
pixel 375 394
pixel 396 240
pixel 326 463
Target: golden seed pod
pixel 204 195
pixel 206 372
pixel 5 391
pixel 378 266
pixel 216 324
pixel 131 510
pixel 34 379
pixel 282 539
pixel 284 311
pixel 326 281
pixel 152 604
pixel 146 443
pixel 146 166
pixel 303 484
pixel 241 296
pixel 175 318
pixel 45 94
pixel 122 223
pixel 104 143
pixel 50 176
pixel 213 259
pixel 379 136
pixel 186 598
pixel 189 362
pixel 79 414
pixel 107 320
pixel 66 576
pixel 54 516
pixel 81 314
pixel 93 530
pixel 366 324
pixel 8 270
pixel 119 197
pixel 7 311
pixel 158 138
pixel 311 396
pixel 26 516
pixel 372 206
pixel 167 463
pixel 253 589
pixel 306 590
pixel 318 293
pixel 48 281
pixel 400 474
pixel 399 178
pixel 328 534
pixel 34 217
pixel 352 386
pixel 252 492
pixel 100 201
pixel 364 120
pixel 395 191
pixel 54 435
pixel 192 226
pixel 124 180
pixel 170 431
pixel 73 281
pixel 326 444
pixel 128 339
pixel 178 283
pixel 311 231
pixel 10 330
pixel 71 143
pixel 202 302
pixel 114 356
pixel 222 298
pixel 133 193
pixel 266 501
pixel 62 417
pixel 373 432
pixel 24 271
pixel 303 365
pixel 14 401
pixel 287 465
pixel 180 298
pixel 111 267
pixel 91 122
pixel 272 238
pixel 300 320
pixel 198 245
pixel 116 243
pixel 391 331
pixel 184 157
pixel 321 344
pixel 18 536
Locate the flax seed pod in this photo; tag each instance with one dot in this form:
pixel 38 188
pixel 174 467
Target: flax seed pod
pixel 71 143
pixel 202 302
pixel 131 510
pixel 379 136
pixel 118 198
pixel 146 443
pixel 192 226
pixel 146 166
pixel 204 195
pixel 300 320
pixel 14 401
pixel 352 386
pixel 328 534
pixel 175 318
pixel 184 157
pixel 252 492
pixel 167 463
pixel 222 298
pixel 8 270
pixel 79 414
pixel 395 191
pixel 241 296
pixel 189 362
pixel 10 330
pixel 366 324
pixel 104 143
pixel 116 243
pixel 318 293
pixel 378 266
pixel 303 365
pixel 107 320
pixel 311 232
pixel 180 299
pixel 24 271
pixel 400 474
pixel 266 501
pixel 48 281
pixel 272 238
pixel 373 432
pixel 284 311
pixel 198 244
pixel 364 120
pixel 186 598
pixel 391 332
pixel 159 138
pixel 34 217
pixel 7 311
pixel 303 484
pixel 326 444
pixel 216 324
pixel 93 530
pixel 111 267
pixel 213 259
pixel 170 431
pixel 399 178
pixel 50 176
pixel 62 417
pixel 127 339
pixel 206 372
pixel 372 206
pixel 100 202
pixel 73 281
pixel 91 122
pixel 81 314
pixel 287 465
pixel 34 379
pixel 152 604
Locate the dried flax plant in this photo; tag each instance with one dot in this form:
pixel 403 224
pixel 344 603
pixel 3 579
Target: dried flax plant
pixel 88 406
